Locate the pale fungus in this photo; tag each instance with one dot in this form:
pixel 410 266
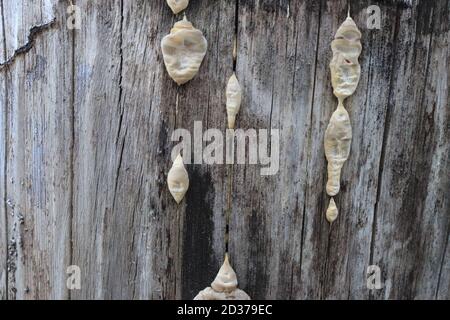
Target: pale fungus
pixel 224 286
pixel 178 179
pixel 183 51
pixel 177 5
pixel 345 74
pixel 234 97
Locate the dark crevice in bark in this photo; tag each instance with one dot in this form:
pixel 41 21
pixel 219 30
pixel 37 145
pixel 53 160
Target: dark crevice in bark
pixel 119 104
pixel 308 148
pixel 34 32
pixel 269 148
pixel 72 150
pixel 385 138
pixel 118 171
pixel 236 30
pixel 231 166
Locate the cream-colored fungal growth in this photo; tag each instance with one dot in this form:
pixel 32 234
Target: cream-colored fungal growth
pixel 178 179
pixel 183 51
pixel 345 73
pixel 226 279
pixel 332 211
pixel 338 138
pixel 177 5
pixel 224 286
pixel 234 98
pixel 345 68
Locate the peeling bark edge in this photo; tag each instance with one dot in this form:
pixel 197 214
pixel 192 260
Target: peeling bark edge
pixel 34 32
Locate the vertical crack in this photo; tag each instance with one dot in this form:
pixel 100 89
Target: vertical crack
pixel 236 30
pixel 231 166
pixel 72 147
pixel 385 137
pixel 305 196
pixel 120 71
pixel 119 103
pixel 5 146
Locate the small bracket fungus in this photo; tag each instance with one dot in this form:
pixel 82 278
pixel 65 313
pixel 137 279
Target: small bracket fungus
pixel 345 74
pixel 177 5
pixel 224 286
pixel 234 97
pixel 183 51
pixel 332 211
pixel 178 179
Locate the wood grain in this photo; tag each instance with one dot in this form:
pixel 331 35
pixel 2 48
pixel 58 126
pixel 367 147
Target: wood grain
pixel 86 120
pixel 36 158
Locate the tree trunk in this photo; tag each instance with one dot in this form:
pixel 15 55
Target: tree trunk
pixel 85 147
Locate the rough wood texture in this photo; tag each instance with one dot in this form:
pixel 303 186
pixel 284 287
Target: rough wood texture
pixel 85 123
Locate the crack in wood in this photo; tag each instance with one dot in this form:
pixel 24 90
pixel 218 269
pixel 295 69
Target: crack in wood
pixel 32 35
pixel 72 151
pixel 384 143
pixel 231 166
pixel 5 146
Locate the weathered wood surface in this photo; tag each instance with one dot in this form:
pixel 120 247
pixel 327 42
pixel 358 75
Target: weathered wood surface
pixel 85 124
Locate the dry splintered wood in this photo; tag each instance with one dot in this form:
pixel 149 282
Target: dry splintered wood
pixel 177 5
pixel 234 97
pixel 345 74
pixel 224 286
pixel 183 51
pixel 178 179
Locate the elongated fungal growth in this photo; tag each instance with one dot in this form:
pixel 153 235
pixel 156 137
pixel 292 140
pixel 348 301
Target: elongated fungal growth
pixel 234 97
pixel 332 211
pixel 183 51
pixel 178 179
pixel 338 138
pixel 177 5
pixel 224 286
pixel 345 73
pixel 345 68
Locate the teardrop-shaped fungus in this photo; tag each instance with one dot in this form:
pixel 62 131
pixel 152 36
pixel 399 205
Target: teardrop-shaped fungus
pixel 178 179
pixel 234 97
pixel 224 286
pixel 177 5
pixel 332 211
pixel 183 51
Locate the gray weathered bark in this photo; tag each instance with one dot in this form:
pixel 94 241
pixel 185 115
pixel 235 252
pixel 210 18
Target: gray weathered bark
pixel 85 123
